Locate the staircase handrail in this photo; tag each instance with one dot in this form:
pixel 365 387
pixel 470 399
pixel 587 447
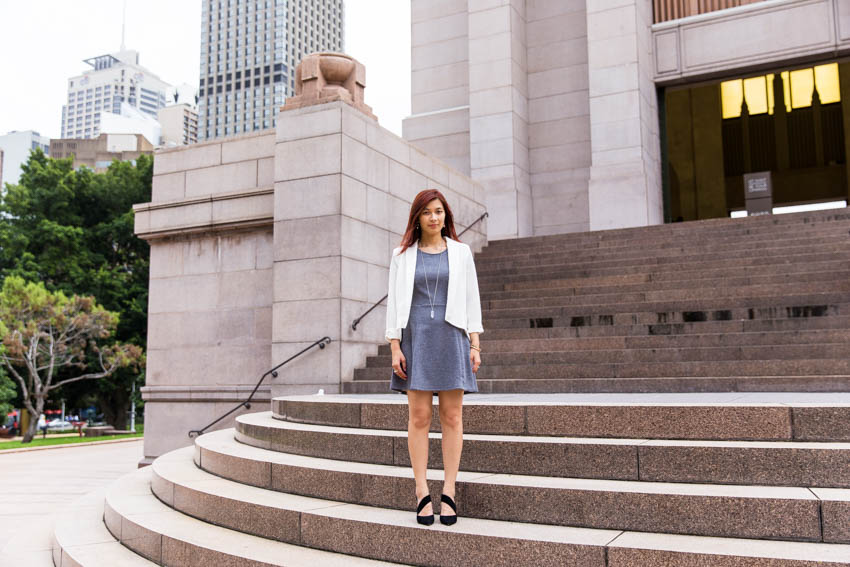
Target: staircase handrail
pixel 357 321
pixel 322 343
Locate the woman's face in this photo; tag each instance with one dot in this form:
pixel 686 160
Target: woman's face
pixel 433 218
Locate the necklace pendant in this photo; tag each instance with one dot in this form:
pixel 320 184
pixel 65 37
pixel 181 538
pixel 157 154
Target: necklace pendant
pixel 432 314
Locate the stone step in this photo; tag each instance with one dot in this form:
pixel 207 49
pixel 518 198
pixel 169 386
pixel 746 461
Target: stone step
pixel 654 312
pixel 836 289
pixel 742 327
pixel 712 228
pixel 339 533
pixel 534 279
pixel 684 250
pixel 575 288
pixel 784 353
pixel 692 509
pixel 82 540
pixel 670 232
pixel 693 340
pixel 777 463
pixel 827 419
pixel 666 369
pixel 736 241
pixel 652 264
pixel 800 384
pixel 153 529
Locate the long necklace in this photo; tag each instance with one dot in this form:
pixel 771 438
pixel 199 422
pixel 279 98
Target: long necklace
pixel 436 286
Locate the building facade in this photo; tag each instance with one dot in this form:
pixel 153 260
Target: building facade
pixel 577 115
pixel 249 51
pixel 16 148
pixel 113 80
pixel 179 125
pixel 99 153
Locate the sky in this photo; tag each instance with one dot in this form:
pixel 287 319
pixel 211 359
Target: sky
pixel 44 42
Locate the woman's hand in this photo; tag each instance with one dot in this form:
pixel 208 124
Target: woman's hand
pixel 399 363
pixel 475 359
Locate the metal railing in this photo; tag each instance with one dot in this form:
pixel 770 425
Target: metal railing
pixel 357 321
pixel 321 343
pixel 664 10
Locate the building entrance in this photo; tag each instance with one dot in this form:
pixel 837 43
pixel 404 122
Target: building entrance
pixel 790 123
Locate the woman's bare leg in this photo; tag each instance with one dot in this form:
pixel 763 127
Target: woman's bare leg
pixel 451 421
pixel 418 425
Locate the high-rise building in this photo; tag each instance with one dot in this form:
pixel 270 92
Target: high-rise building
pixel 16 148
pixel 249 51
pixel 179 124
pixel 114 79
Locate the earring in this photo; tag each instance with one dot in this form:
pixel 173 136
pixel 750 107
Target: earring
pixel 417 226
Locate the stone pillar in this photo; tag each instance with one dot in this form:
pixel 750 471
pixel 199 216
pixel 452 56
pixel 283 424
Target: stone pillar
pixel 498 113
pixel 625 176
pixel 844 82
pixel 343 188
pixel 439 80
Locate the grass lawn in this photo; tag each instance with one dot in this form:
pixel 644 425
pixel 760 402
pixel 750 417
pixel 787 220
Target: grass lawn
pixel 65 440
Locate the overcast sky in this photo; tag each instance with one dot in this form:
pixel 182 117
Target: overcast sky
pixel 44 42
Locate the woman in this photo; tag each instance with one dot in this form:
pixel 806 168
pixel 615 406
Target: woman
pixel 433 326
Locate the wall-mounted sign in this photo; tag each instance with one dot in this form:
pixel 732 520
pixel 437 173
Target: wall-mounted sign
pixel 758 193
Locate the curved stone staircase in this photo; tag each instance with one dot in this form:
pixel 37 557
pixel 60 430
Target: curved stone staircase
pixel 606 480
pixel 754 474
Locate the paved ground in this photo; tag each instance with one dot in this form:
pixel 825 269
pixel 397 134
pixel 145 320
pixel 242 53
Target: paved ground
pixel 35 485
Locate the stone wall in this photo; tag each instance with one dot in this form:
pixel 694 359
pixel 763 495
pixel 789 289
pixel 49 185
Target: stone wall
pixel 209 225
pixel 263 244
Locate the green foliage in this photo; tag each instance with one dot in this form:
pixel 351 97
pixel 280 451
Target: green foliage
pixel 72 230
pixel 7 393
pixel 45 331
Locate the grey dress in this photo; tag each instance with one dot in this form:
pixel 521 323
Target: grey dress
pixel 437 353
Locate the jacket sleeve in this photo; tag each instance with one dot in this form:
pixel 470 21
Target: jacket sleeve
pixel 392 331
pixel 473 300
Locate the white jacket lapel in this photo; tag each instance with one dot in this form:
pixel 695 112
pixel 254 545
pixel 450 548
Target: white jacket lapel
pixel 454 273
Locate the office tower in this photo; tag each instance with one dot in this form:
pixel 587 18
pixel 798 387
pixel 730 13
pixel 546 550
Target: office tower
pixel 16 148
pixel 114 79
pixel 249 51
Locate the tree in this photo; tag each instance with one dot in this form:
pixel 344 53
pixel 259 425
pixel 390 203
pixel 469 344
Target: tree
pixel 44 332
pixel 73 231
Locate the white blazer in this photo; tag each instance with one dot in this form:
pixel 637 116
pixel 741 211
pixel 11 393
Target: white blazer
pixel 463 305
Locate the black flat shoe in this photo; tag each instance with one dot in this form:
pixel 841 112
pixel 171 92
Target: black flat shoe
pixel 448 520
pixel 424 520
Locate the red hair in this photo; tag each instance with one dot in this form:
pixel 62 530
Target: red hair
pixel 412 234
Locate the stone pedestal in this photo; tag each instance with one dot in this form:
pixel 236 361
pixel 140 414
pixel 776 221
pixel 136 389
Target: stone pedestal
pixel 498 114
pixel 343 188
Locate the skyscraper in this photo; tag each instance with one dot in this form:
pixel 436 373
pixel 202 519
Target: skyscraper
pixel 249 51
pixel 114 79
